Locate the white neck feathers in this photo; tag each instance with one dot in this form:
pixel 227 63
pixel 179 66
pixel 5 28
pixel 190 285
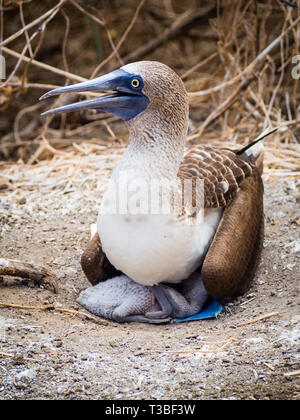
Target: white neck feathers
pixel 157 141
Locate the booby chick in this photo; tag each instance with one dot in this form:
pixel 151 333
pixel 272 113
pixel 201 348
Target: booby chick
pixel 152 247
pixel 121 299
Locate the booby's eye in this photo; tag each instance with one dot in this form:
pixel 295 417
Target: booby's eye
pixel 135 83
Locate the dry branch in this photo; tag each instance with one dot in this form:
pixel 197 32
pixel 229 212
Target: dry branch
pixel 13 356
pixel 40 275
pixel 228 49
pixel 44 66
pixel 181 23
pixel 224 106
pixel 251 67
pixel 32 24
pixel 120 43
pixel 292 373
pixel 54 309
pixel 258 318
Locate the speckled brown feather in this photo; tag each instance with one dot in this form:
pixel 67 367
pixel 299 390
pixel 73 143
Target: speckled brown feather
pixel 222 171
pixel 232 258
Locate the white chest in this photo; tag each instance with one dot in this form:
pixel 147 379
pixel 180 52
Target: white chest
pixel 153 248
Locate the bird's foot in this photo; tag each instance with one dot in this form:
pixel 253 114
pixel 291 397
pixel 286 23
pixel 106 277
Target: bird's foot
pixel 162 299
pixel 174 304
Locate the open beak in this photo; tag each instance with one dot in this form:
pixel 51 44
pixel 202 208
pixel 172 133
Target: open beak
pixel 122 102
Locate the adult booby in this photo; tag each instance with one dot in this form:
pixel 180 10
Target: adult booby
pixel 216 244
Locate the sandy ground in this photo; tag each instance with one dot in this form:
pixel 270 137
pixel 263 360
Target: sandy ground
pixel 60 356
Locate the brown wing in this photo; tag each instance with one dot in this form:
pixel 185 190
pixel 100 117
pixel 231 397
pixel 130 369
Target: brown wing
pixel 225 175
pixel 95 264
pixel 233 256
pixel 221 170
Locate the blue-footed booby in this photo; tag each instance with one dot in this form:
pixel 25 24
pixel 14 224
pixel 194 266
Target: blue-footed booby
pixel 193 249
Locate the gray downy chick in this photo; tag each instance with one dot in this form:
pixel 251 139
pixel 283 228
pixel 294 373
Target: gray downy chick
pixel 121 299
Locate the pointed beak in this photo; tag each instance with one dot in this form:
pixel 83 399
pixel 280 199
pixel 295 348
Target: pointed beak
pixel 122 102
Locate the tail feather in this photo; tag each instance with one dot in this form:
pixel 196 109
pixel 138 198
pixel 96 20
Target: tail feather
pixel 254 142
pixel 255 150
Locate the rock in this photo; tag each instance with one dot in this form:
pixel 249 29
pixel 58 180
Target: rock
pixel 26 374
pixel 4 183
pixel 22 379
pixel 21 200
pixel 57 342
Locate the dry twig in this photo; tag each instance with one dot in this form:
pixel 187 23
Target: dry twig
pixel 226 90
pixel 182 22
pixel 54 309
pixel 257 319
pixel 40 275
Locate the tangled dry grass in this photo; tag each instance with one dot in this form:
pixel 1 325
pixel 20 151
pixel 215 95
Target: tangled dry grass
pixel 235 56
pixel 236 59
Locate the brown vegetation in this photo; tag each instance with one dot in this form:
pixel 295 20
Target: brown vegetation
pixel 234 56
